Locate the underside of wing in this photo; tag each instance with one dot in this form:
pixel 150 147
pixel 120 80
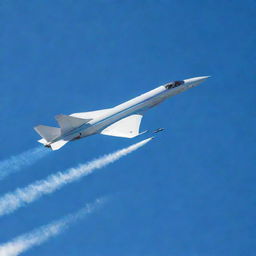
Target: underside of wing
pixel 127 127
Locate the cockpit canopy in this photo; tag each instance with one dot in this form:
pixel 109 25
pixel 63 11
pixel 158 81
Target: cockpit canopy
pixel 173 84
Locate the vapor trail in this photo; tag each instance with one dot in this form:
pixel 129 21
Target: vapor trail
pixel 16 163
pixel 38 236
pixel 23 196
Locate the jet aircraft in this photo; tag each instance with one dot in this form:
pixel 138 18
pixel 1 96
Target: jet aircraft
pixel 158 130
pixel 121 121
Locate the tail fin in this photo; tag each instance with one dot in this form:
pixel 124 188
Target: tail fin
pixel 54 146
pixel 68 123
pixel 47 132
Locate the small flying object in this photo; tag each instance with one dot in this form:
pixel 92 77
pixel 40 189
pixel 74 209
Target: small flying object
pixel 158 130
pixel 121 121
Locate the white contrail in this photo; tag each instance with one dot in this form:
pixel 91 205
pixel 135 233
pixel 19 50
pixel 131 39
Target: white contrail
pixel 38 236
pixel 16 163
pixel 22 196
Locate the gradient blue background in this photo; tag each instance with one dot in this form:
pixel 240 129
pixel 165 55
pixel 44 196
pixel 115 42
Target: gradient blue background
pixel 189 192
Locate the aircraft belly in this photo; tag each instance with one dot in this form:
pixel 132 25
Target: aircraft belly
pixel 134 110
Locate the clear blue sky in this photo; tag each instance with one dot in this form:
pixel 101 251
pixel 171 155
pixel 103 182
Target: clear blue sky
pixel 189 192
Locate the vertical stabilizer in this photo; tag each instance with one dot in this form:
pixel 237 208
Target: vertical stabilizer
pixel 68 123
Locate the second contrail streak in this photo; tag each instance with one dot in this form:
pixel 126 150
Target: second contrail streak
pixel 44 233
pixel 23 196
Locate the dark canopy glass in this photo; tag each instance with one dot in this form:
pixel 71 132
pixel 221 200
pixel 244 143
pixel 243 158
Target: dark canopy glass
pixel 173 84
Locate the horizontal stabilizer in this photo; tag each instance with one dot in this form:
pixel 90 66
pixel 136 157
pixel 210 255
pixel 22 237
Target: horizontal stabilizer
pixel 68 123
pixel 58 144
pixel 127 127
pixel 43 141
pixel 47 132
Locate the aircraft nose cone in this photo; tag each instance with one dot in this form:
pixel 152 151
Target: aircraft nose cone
pixel 195 80
pixel 200 79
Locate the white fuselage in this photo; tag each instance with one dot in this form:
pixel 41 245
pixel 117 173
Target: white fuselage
pixel 136 105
